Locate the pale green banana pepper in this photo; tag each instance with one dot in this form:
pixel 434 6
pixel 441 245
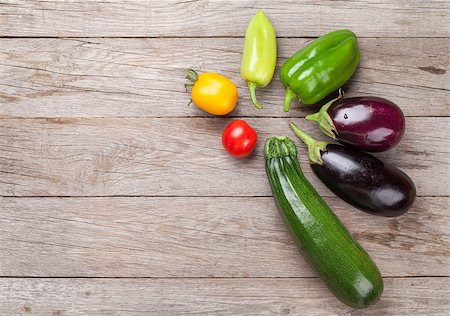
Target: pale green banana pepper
pixel 260 54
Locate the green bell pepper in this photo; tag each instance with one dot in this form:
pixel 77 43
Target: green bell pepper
pixel 260 54
pixel 320 67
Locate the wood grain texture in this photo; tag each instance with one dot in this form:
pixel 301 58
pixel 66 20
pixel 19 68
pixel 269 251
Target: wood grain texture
pixel 201 237
pixel 379 18
pixel 117 199
pixel 145 77
pixel 411 296
pixel 178 157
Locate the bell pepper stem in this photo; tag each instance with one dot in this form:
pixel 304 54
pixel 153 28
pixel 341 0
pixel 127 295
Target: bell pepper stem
pixel 323 118
pixel 289 96
pixel 252 88
pixel 315 148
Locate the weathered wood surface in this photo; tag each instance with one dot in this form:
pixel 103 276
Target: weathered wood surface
pixel 144 77
pixel 378 18
pixel 178 157
pixel 106 175
pixel 410 296
pixel 201 237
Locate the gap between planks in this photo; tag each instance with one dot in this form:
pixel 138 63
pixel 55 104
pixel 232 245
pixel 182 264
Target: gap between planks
pixel 203 278
pixel 205 37
pixel 160 196
pixel 10 117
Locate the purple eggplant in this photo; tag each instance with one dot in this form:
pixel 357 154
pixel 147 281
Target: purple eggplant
pixel 367 123
pixel 359 178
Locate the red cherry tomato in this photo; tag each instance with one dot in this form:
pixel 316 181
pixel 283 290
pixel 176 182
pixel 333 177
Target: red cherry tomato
pixel 239 138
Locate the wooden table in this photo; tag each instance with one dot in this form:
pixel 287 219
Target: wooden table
pixel 117 198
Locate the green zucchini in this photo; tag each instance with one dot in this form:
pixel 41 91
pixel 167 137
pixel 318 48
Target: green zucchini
pixel 326 244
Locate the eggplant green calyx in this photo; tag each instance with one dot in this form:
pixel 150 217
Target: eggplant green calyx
pixel 323 118
pixel 315 147
pixel 279 146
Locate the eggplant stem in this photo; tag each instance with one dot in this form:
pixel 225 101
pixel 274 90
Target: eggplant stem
pixel 315 148
pixel 308 140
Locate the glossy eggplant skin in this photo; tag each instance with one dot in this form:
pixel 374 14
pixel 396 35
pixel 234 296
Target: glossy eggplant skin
pixel 368 123
pixel 364 181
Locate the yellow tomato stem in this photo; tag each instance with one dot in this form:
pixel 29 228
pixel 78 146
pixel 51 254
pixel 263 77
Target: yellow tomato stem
pixel 191 75
pixel 252 88
pixel 186 85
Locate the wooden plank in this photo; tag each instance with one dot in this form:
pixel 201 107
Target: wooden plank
pixel 379 18
pixel 144 77
pixel 178 157
pixel 411 296
pixel 201 237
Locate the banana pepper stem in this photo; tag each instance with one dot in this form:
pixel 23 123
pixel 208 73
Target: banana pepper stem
pixel 315 148
pixel 252 88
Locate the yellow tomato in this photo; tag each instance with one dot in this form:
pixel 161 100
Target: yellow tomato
pixel 214 93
